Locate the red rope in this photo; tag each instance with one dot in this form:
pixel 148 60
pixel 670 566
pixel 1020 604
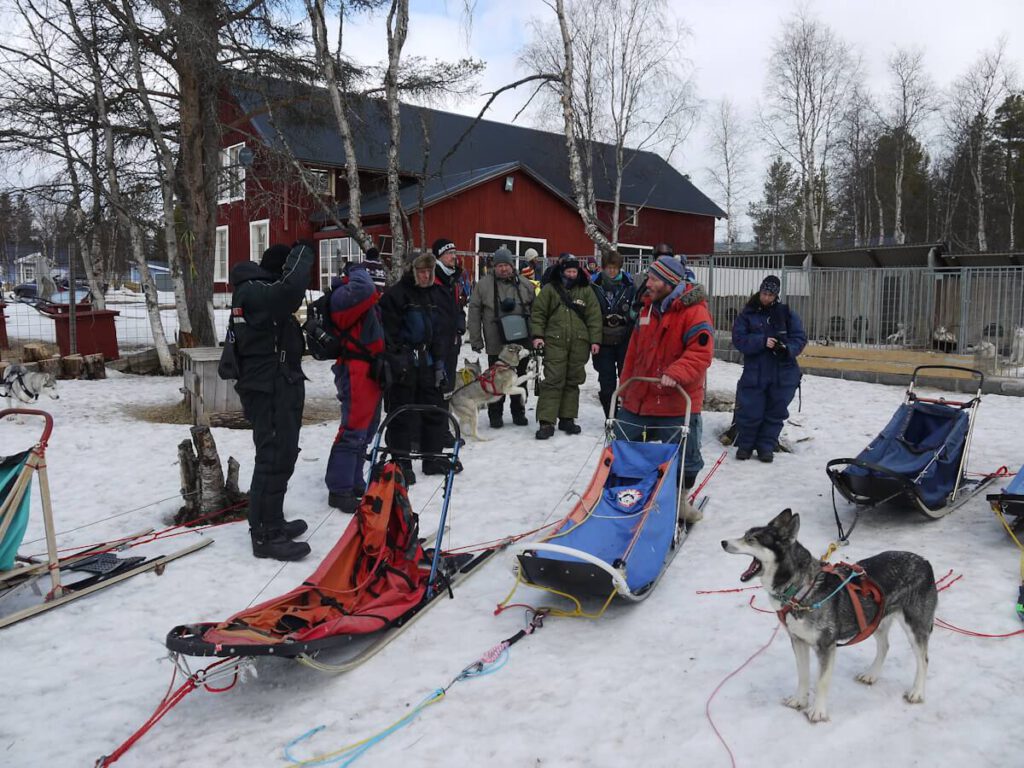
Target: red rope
pixel 169 701
pixel 970 632
pixel 725 591
pixel 714 468
pixel 707 705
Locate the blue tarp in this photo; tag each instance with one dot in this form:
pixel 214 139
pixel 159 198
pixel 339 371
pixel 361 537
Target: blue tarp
pixel 923 442
pixel 608 530
pixel 1016 486
pixel 10 468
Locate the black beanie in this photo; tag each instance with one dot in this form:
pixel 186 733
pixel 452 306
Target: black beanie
pixel 772 285
pixel 442 246
pixel 274 258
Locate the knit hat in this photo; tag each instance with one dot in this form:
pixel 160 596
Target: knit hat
pixel 503 256
pixel 772 285
pixel 669 270
pixel 527 272
pixel 442 246
pixel 378 274
pixel 274 258
pixel 372 255
pixel 424 261
pixel 531 254
pixel 569 262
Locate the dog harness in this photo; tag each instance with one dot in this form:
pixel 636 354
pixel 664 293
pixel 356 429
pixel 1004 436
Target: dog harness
pixel 858 586
pixel 26 396
pixel 485 379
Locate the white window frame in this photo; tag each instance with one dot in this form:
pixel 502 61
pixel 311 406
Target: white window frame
pixel 515 238
pixel 28 272
pixel 255 254
pixel 644 250
pixel 328 181
pixel 230 172
pixel 326 273
pixel 221 264
pixel 631 220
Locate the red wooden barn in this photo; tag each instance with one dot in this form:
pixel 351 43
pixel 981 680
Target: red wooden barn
pixel 479 185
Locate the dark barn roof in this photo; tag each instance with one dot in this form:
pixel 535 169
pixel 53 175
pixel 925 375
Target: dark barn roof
pixel 301 116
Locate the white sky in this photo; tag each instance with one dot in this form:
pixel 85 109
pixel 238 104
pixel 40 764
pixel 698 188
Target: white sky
pixel 729 47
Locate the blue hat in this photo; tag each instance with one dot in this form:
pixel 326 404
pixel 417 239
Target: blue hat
pixel 669 270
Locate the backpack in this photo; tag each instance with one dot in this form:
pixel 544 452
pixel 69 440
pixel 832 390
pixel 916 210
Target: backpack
pixel 323 341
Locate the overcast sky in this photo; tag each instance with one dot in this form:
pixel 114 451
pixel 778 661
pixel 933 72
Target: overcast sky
pixel 728 48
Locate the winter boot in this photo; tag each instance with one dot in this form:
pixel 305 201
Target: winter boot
pixel 546 430
pixel 520 420
pixel 743 454
pixel 496 420
pixel 344 501
pixel 766 456
pixel 439 466
pixel 293 528
pixel 275 545
pixel 569 426
pixel 688 513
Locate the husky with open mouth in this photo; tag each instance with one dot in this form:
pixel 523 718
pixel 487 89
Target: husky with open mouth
pixel 823 607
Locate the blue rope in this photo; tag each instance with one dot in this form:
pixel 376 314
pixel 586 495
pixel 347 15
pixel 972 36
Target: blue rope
pixel 477 669
pixel 836 591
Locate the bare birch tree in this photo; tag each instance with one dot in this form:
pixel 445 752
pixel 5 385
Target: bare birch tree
pixel 619 88
pixel 729 148
pixel 809 74
pixel 909 104
pixel 973 101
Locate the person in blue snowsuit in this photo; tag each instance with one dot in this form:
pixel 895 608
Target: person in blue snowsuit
pixel 614 289
pixel 771 336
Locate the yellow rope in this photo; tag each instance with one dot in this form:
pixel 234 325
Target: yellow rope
pixel 832 547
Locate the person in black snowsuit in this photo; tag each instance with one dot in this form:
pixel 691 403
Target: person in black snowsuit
pixel 419 324
pixel 614 289
pixel 448 274
pixel 268 349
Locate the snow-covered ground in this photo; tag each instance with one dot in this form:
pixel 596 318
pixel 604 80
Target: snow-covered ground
pixel 627 690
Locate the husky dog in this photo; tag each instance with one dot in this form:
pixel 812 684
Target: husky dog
pixel 821 620
pixel 943 340
pixel 899 337
pixel 1017 347
pixel 490 386
pixel 23 387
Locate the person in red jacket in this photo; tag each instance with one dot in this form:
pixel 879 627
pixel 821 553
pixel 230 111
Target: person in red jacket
pixel 674 341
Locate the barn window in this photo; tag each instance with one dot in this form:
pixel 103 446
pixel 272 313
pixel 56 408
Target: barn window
pixel 220 256
pixel 259 237
pixel 335 252
pixel 231 182
pixel 632 216
pixel 321 180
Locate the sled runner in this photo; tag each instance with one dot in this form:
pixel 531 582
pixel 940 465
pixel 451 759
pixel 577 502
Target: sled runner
pixel 626 527
pixel 372 584
pixel 919 459
pixel 29 587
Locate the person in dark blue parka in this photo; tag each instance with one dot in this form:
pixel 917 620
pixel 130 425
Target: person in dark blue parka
pixel 771 336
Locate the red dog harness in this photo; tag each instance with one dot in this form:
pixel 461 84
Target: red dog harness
pixel 858 586
pixel 486 378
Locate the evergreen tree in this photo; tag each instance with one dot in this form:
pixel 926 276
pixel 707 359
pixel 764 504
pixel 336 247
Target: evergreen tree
pixel 776 217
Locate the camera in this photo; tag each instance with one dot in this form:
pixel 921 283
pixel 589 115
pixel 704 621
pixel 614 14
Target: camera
pixel 780 349
pixel 614 321
pixel 507 305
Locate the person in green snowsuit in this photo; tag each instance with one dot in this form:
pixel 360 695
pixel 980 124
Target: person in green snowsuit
pixel 566 323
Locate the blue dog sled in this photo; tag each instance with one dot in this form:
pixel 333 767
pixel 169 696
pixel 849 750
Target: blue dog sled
pixel 918 460
pixel 625 529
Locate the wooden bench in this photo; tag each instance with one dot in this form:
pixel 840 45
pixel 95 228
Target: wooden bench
pixel 902 362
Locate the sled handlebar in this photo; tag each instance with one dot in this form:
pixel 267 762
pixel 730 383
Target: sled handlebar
pixel 973 372
pixel 652 380
pixel 47 429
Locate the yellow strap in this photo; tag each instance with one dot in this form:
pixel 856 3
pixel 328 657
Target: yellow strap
pixel 832 547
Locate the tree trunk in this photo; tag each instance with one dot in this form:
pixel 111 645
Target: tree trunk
pixel 156 325
pixel 978 170
pixel 398 28
pixel 878 204
pixel 202 482
pixel 897 225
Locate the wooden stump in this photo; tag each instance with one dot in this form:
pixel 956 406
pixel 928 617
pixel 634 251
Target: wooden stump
pixel 203 486
pixel 94 366
pixel 51 365
pixel 35 351
pixel 72 366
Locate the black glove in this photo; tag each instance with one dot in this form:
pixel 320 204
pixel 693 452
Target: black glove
pixel 440 378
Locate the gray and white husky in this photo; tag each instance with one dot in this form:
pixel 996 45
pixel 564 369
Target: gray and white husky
pixel 489 386
pixel 790 574
pixel 23 387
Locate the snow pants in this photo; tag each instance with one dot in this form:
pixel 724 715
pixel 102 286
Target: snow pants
pixel 417 388
pixel 565 369
pixel 608 363
pixel 360 399
pixel 762 406
pixel 276 419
